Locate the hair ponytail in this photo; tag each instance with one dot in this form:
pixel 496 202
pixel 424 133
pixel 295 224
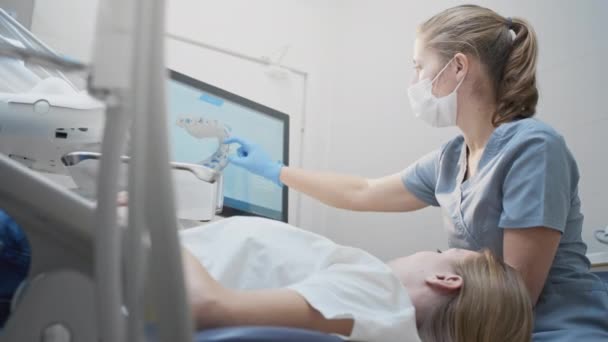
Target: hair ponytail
pixel 516 94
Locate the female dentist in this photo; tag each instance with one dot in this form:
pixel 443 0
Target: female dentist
pixel 508 183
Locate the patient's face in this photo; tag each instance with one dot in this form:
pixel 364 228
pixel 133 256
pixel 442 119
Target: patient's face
pixel 420 265
pixel 429 276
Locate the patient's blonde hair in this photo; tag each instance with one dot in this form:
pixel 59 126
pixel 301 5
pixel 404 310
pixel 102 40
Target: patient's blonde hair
pixel 493 305
pixel 510 62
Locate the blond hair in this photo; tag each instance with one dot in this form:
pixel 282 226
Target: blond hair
pixel 510 61
pixel 493 305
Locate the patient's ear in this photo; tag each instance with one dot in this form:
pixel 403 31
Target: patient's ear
pixel 445 282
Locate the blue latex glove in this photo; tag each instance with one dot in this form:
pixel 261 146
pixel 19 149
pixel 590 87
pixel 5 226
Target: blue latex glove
pixel 254 159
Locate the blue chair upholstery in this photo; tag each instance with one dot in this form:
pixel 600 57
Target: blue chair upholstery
pixel 14 262
pixel 263 334
pixel 603 275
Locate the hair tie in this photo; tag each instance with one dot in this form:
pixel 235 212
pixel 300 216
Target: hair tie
pixel 509 23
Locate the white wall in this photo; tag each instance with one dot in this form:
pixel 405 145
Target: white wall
pixel 357 54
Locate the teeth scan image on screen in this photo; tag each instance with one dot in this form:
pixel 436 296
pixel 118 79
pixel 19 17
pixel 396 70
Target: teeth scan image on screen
pixel 195 107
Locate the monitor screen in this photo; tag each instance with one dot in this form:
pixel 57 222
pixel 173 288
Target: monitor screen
pixel 244 192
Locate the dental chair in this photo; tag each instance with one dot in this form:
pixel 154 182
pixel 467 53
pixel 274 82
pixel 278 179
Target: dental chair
pixel 263 334
pixel 90 279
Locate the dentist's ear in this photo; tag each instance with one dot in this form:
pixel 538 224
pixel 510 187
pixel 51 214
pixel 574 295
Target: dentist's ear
pixel 445 282
pixel 462 65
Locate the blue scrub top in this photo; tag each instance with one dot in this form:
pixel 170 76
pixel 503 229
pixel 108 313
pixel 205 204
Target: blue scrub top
pixel 526 178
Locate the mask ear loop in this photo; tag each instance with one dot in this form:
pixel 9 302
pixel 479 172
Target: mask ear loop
pixel 459 83
pixel 442 70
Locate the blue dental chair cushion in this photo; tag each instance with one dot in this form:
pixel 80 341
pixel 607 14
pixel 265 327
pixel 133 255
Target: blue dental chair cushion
pixel 263 334
pixel 14 262
pixel 603 275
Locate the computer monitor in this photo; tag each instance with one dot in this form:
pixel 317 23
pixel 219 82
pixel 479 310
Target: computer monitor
pixel 244 192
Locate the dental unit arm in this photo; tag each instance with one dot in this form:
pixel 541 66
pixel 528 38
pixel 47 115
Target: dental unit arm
pixel 199 187
pixel 199 194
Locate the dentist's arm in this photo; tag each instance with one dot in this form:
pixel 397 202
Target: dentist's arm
pixel 336 190
pixel 353 192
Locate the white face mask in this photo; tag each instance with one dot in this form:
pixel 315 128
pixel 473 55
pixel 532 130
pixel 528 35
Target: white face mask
pixel 437 112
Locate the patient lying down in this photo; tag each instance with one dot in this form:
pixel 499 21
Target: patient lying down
pixel 251 271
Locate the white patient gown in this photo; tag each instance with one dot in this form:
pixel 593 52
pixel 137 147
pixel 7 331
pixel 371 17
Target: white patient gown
pixel 338 281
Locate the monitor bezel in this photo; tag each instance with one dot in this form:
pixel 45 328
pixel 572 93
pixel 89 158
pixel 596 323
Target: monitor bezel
pixel 213 90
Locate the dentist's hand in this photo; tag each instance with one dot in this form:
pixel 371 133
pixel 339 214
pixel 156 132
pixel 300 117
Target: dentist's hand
pixel 255 160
